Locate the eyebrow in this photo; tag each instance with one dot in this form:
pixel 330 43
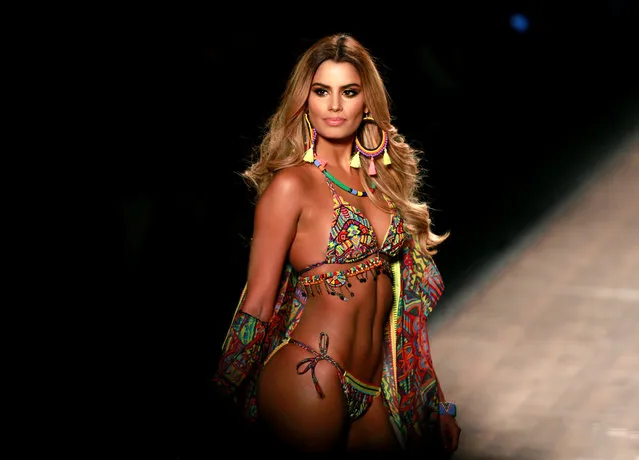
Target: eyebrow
pixel 341 87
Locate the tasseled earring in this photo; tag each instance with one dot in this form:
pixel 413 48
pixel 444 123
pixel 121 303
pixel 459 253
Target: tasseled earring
pixel 372 154
pixel 311 137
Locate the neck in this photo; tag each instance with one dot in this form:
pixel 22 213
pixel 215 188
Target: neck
pixel 336 153
pixel 322 166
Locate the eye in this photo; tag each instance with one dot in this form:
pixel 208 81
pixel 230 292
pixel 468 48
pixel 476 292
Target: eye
pixel 351 93
pixel 320 91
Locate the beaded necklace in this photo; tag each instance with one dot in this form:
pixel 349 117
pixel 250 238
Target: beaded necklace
pixel 322 166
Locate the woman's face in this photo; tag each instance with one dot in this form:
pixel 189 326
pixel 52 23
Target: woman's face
pixel 336 101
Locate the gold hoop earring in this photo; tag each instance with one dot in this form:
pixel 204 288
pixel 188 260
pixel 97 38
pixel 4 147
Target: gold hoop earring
pixel 311 137
pixel 373 153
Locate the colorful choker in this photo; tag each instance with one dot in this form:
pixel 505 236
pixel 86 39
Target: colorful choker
pixel 322 166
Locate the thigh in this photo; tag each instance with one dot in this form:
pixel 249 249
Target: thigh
pixel 373 432
pixel 293 412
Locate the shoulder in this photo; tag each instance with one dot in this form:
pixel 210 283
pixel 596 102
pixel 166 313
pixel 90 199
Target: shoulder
pixel 295 180
pixel 289 185
pixel 291 179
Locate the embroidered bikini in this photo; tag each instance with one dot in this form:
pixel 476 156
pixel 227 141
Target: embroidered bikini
pixel 352 240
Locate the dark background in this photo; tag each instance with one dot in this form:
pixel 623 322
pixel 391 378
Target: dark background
pixel 509 122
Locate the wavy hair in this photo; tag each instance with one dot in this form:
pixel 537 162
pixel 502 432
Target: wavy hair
pixel 285 140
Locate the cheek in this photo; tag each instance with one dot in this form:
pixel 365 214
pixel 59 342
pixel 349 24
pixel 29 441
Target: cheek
pixel 354 124
pixel 355 109
pixel 312 103
pixel 314 110
pixel 355 113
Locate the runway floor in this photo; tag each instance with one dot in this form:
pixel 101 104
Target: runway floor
pixel 541 351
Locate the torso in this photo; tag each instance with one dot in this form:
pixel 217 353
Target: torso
pixel 354 325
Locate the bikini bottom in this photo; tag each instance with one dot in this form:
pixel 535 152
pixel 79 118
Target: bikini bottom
pixel 359 395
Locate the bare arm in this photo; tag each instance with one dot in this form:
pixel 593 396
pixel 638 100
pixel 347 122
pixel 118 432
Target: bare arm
pixel 275 224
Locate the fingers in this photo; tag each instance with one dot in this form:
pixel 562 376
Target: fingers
pixel 453 443
pixel 455 439
pixel 451 438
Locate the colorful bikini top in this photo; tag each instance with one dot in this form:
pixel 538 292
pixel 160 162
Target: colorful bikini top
pixel 352 237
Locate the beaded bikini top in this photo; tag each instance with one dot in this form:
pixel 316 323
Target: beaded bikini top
pixel 352 237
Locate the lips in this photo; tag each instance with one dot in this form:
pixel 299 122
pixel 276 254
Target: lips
pixel 334 121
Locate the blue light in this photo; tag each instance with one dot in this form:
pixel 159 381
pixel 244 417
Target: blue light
pixel 519 22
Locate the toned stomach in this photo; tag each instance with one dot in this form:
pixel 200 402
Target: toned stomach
pixel 355 328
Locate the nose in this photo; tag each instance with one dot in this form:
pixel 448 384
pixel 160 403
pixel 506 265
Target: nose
pixel 335 104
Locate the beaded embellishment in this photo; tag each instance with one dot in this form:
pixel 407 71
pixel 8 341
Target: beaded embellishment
pixel 338 282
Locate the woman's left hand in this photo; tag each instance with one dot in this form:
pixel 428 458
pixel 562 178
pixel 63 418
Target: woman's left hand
pixel 450 432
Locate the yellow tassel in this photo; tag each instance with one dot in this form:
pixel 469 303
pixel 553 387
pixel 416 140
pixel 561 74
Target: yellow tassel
pixel 355 161
pixel 386 158
pixel 308 155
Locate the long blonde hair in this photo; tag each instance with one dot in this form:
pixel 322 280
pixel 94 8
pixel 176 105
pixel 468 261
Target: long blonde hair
pixel 284 141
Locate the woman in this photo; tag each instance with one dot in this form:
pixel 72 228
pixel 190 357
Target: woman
pixel 328 348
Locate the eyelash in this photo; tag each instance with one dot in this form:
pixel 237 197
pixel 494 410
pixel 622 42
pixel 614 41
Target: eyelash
pixel 321 92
